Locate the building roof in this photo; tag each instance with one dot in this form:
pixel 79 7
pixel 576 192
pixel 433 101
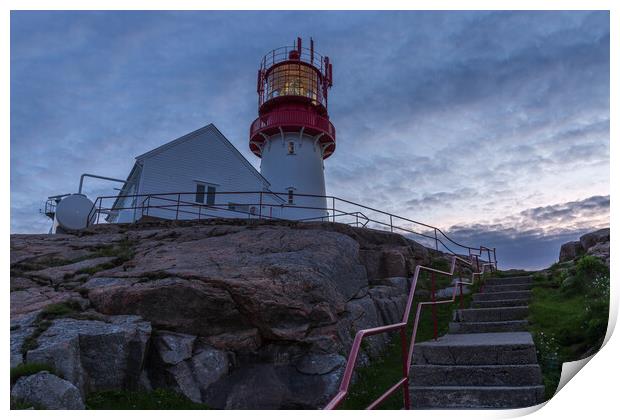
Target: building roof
pixel 218 135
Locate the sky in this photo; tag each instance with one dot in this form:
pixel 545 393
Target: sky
pixel 493 126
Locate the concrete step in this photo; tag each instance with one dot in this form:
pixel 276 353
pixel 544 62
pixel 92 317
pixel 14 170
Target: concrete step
pixel 481 375
pixel 477 349
pixel 507 288
pixel 485 327
pixel 513 313
pixel 499 303
pixel 519 294
pixel 476 397
pixel 497 281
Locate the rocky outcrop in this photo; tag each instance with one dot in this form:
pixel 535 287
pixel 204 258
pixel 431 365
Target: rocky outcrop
pixel 44 390
pixel 594 243
pixel 184 363
pixel 237 314
pixel 590 239
pixel 571 250
pixel 95 355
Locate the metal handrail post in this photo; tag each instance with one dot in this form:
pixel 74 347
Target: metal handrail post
pixel 178 204
pixel 405 354
pixel 435 326
pixel 436 242
pixel 461 286
pixel 260 206
pixel 391 225
pixel 333 209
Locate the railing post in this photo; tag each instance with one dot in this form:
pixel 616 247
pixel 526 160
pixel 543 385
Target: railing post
pixel 199 211
pixel 434 305
pixel 99 211
pixel 461 285
pixel 178 204
pixel 405 353
pixel 333 209
pixel 391 226
pixel 260 206
pixel 436 242
pixel 356 220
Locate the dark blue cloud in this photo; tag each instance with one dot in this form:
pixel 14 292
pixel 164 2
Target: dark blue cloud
pixel 450 118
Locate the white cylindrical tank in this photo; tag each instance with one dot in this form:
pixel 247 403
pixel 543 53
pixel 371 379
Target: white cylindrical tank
pixel 72 212
pixel 293 164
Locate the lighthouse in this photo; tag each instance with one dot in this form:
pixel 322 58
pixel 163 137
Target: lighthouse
pixel 292 134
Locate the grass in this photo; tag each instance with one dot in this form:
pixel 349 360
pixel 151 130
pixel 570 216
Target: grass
pixel 26 369
pixel 39 264
pixel 158 399
pixel 122 251
pixel 374 379
pixel 44 321
pixel 568 315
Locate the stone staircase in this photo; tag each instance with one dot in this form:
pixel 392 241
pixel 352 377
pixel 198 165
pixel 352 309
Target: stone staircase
pixel 487 360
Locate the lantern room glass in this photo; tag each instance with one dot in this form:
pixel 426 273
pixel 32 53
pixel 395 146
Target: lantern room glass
pixel 293 79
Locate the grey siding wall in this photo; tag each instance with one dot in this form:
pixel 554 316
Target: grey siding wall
pixel 204 158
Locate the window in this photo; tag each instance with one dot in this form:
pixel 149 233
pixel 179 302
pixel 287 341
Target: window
pixel 290 196
pixel 294 79
pixel 291 147
pixel 200 193
pixel 210 195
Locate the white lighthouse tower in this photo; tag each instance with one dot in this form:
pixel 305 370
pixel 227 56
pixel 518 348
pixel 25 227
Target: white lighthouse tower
pixel 292 134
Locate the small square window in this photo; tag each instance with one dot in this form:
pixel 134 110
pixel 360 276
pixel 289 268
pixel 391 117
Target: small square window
pixel 200 193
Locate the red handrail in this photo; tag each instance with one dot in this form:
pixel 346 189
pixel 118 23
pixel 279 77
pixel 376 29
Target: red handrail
pixel 402 327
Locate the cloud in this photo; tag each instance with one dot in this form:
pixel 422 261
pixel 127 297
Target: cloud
pixel 532 237
pixel 449 118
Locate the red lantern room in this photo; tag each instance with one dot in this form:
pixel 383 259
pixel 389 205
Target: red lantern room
pixel 292 86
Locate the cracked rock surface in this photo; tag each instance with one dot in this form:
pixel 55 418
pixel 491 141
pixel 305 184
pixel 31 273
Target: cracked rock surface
pixel 235 314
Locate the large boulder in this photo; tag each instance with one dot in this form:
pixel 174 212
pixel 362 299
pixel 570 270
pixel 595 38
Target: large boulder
pixel 601 251
pixel 571 250
pixel 185 364
pixel 268 385
pixel 44 390
pixel 95 355
pixel 593 243
pixel 282 282
pixel 590 239
pixel 22 327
